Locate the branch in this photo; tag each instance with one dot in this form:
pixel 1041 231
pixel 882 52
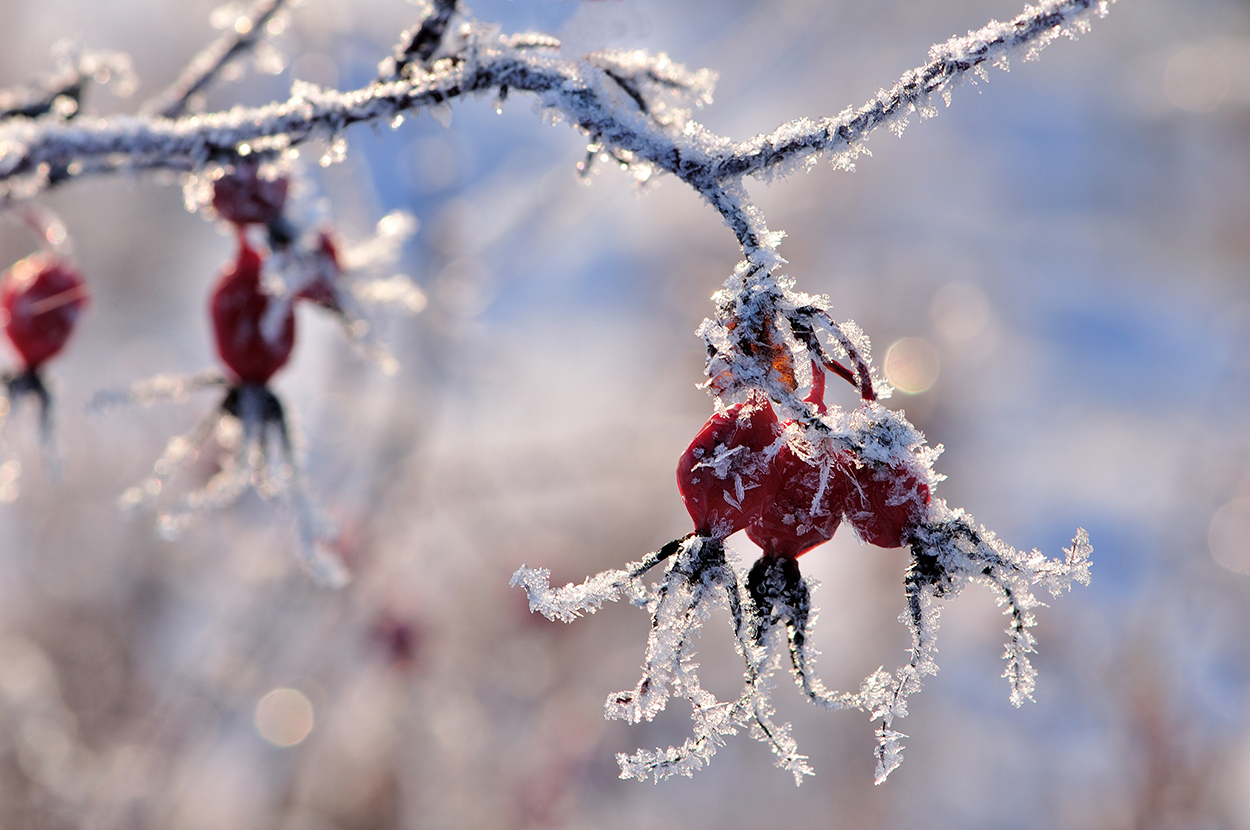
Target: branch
pixel 39 99
pixel 61 93
pixel 710 164
pixel 128 142
pixel 420 44
pixel 802 141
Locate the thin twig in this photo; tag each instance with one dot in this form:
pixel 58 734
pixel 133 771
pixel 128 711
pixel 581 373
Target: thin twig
pixel 207 65
pixel 420 44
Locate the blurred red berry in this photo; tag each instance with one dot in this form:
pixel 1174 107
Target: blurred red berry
pixel 243 197
pixel 238 308
pixel 725 476
pixel 42 297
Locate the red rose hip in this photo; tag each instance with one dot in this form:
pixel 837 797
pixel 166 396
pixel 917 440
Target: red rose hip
pixel 239 307
pixel 244 198
pixel 804 511
pixel 885 503
pixel 725 475
pixel 42 297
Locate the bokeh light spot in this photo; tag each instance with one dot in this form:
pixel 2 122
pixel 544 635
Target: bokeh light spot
pixel 912 365
pixel 1196 80
pixel 1228 536
pixel 284 717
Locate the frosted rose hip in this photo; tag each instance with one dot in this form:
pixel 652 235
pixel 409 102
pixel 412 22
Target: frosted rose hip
pixel 787 524
pixel 725 475
pixel 884 504
pixel 243 197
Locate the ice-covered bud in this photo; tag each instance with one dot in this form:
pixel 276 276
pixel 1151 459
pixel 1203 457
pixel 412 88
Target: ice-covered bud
pixel 238 305
pixel 243 197
pixel 41 297
pixel 726 475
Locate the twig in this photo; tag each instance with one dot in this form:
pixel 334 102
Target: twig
pixel 207 65
pixel 420 44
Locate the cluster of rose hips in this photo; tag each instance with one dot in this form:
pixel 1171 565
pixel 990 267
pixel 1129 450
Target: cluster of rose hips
pixel 745 470
pixel 253 322
pixel 254 331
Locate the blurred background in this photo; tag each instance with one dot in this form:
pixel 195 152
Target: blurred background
pixel 1053 272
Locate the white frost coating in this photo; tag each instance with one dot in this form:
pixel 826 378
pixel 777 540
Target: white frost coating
pixel 567 604
pixel 656 85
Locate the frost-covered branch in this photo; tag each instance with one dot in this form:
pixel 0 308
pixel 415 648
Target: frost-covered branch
pixel 802 141
pixel 480 59
pixel 567 604
pixel 420 44
pixel 60 94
